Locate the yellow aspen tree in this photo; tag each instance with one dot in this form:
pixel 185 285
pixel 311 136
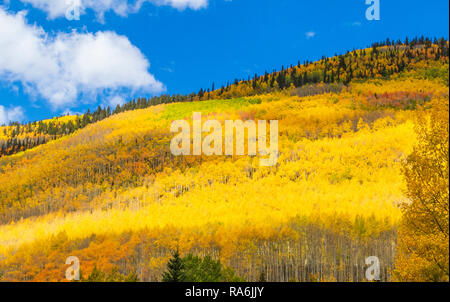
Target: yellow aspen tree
pixel 423 253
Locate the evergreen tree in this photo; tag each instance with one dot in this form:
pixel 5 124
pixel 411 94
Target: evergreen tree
pixel 175 269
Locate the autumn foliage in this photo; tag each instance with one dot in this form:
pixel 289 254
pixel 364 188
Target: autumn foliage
pixel 424 242
pixel 112 194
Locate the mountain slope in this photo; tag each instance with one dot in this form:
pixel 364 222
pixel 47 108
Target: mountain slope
pixel 113 195
pixel 421 56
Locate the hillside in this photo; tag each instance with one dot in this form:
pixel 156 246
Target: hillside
pixel 110 192
pixel 421 56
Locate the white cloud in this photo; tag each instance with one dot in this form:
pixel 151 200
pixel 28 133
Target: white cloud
pixel 69 66
pixel 12 114
pixel 181 4
pixel 115 100
pixel 58 8
pixel 310 34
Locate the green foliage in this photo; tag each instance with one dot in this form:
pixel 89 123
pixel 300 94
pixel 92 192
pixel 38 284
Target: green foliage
pixel 207 270
pixel 195 269
pixel 175 269
pixel 437 71
pixel 434 70
pixel 202 270
pixel 178 111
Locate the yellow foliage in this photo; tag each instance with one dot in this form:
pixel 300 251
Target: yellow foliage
pixel 339 169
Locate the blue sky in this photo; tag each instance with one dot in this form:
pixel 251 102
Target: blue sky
pixel 50 64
